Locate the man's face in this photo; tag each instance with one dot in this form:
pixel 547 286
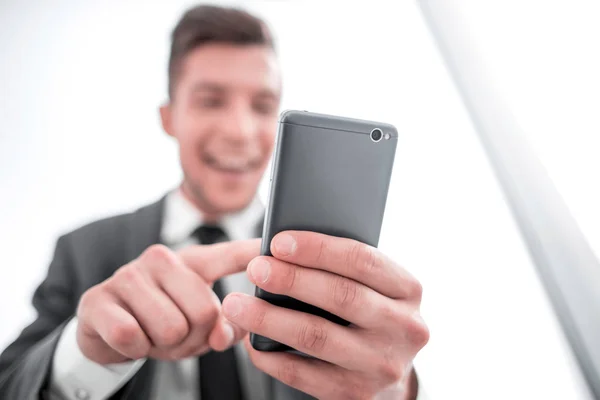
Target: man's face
pixel 223 115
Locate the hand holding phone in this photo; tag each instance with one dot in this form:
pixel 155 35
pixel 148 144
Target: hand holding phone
pixel 321 270
pixel 330 175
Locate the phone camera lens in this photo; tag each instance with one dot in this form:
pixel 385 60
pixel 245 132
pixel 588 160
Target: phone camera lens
pixel 376 135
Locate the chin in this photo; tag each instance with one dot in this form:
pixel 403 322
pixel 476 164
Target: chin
pixel 227 203
pixel 218 197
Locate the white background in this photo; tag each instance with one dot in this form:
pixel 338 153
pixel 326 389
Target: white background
pixel 81 81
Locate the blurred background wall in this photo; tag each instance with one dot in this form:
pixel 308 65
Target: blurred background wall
pixel 80 139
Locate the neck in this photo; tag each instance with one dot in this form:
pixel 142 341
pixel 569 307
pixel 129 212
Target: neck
pixel 209 216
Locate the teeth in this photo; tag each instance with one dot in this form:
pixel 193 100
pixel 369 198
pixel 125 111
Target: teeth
pixel 232 164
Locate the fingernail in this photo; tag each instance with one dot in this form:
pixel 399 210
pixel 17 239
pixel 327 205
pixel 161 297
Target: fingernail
pixel 229 335
pixel 260 269
pixel 232 306
pixel 285 244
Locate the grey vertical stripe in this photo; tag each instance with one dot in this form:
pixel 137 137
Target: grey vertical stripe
pixel 564 260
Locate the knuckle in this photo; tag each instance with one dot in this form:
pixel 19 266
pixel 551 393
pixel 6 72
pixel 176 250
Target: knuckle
pixel 128 272
pixel 156 252
pixel 312 337
pixel 345 292
pixel 390 370
pixel 413 328
pixel 418 332
pixel 415 289
pixel 205 315
pixel 127 277
pixel 391 314
pixel 287 373
pixel 123 334
pixel 87 299
pixel 288 277
pixel 159 255
pixel 321 250
pixel 364 258
pixel 172 334
pixel 258 318
pixel 161 269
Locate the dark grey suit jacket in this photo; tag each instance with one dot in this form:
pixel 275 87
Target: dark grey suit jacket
pixel 82 259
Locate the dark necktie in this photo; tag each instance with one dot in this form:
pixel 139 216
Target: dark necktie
pixel 219 378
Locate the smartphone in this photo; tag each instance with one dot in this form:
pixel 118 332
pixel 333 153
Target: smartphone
pixel 329 175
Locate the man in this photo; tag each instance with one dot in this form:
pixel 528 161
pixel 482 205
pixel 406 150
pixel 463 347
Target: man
pixel 133 308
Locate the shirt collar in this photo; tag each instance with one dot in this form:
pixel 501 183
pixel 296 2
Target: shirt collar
pixel 181 218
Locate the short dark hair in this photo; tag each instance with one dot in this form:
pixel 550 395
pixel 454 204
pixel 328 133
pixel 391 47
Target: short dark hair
pixel 213 24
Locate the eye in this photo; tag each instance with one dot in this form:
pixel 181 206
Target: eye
pixel 209 102
pixel 264 107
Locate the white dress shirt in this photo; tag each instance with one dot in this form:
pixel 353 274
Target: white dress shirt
pixel 75 377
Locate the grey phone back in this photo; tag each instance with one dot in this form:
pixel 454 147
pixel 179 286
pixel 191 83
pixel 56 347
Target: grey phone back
pixel 328 176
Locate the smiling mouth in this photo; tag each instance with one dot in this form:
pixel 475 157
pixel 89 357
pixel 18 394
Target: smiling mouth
pixel 237 165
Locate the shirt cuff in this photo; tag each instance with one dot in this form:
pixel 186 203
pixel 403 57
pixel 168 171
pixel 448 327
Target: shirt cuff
pixel 75 377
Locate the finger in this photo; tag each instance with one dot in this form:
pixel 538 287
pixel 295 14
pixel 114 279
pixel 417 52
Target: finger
pixel 215 261
pixel 349 258
pixel 224 335
pixel 119 330
pixel 339 295
pixel 317 378
pixel 156 313
pixel 191 294
pixel 198 303
pixel 306 333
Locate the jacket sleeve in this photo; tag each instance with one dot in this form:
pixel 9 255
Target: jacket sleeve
pixel 25 365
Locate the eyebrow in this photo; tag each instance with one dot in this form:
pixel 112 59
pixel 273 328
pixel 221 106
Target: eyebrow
pixel 208 87
pixel 218 88
pixel 268 93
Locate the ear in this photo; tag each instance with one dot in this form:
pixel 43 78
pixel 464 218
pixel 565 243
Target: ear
pixel 165 118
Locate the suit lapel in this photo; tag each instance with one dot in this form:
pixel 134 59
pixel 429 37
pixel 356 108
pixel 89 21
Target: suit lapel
pixel 144 231
pixel 145 228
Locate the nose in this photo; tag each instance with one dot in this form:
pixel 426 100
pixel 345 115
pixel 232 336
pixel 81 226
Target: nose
pixel 239 126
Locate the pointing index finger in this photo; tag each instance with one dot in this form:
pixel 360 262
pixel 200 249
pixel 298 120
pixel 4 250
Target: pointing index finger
pixel 215 261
